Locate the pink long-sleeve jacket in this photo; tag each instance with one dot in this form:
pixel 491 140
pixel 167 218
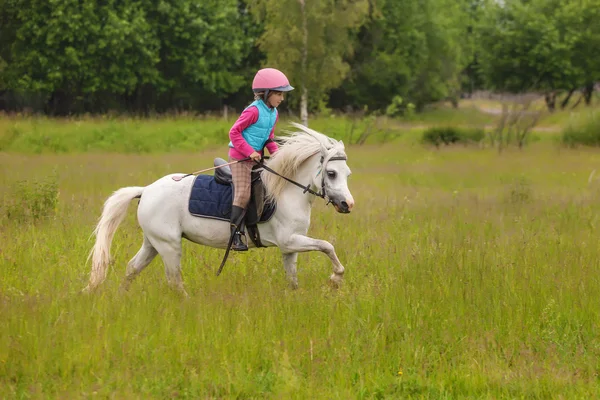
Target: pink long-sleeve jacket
pixel 241 148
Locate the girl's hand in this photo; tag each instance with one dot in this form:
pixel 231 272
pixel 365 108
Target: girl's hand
pixel 255 156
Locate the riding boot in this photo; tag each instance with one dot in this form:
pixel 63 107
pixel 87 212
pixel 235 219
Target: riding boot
pixel 237 228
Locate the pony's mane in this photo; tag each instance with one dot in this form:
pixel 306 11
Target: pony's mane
pixel 295 148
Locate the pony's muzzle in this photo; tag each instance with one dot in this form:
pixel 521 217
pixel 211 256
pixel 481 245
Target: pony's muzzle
pixel 344 206
pixel 348 204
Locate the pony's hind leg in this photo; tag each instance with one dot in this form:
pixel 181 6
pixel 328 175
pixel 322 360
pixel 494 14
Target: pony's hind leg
pixel 140 261
pixel 170 251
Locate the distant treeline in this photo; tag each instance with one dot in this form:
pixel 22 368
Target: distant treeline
pixel 63 57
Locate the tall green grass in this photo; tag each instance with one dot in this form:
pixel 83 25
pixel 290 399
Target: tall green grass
pixel 108 134
pixel 469 275
pixel 37 135
pixel 583 131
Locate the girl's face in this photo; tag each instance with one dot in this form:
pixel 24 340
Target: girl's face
pixel 275 99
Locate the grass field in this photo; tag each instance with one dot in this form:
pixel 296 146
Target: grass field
pixel 469 274
pixel 189 133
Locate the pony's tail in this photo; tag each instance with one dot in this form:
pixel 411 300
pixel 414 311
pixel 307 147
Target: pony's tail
pixel 113 213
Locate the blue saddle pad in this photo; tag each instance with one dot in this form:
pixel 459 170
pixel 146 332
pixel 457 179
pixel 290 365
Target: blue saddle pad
pixel 210 199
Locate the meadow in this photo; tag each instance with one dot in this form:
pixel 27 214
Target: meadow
pixel 469 274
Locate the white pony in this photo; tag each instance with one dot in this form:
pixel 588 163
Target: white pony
pixel 305 156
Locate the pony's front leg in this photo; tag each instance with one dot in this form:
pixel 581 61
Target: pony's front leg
pixel 289 263
pixel 301 243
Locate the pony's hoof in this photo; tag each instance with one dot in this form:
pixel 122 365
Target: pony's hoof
pixel 87 290
pixel 336 280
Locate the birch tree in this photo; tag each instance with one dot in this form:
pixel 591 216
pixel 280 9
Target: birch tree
pixel 309 40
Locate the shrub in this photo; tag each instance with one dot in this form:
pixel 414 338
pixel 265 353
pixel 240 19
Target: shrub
pixel 399 108
pixel 472 135
pixel 520 191
pixel 450 135
pixel 584 132
pixel 32 200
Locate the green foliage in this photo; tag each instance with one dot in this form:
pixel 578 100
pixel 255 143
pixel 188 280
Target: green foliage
pixel 585 131
pixel 399 108
pixel 202 43
pixel 82 48
pixel 411 50
pixel 32 200
pixel 452 135
pixel 395 107
pixel 315 62
pixel 142 56
pixel 539 44
pixel 80 53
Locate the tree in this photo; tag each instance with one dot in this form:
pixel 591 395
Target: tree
pixel 71 50
pixel 540 45
pixel 82 53
pixel 8 11
pixel 202 44
pixel 471 75
pixel 308 42
pixel 414 50
pixel 581 28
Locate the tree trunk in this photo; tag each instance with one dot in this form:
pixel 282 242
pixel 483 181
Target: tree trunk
pixel 588 90
pixel 304 98
pixel 454 101
pixel 550 101
pixel 566 100
pixel 304 106
pixel 577 102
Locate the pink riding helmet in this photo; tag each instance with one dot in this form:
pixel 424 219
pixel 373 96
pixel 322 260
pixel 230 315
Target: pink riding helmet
pixel 268 79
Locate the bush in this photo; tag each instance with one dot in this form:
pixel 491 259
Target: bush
pixel 450 135
pixel 472 135
pixel 520 191
pixel 399 108
pixel 32 200
pixel 585 132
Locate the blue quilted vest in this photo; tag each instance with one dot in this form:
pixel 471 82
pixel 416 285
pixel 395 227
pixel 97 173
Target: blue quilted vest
pixel 258 133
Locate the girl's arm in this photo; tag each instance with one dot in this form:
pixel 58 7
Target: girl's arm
pixel 271 145
pixel 247 118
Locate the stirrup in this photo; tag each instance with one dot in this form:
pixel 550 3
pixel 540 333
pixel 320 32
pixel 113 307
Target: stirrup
pixel 241 246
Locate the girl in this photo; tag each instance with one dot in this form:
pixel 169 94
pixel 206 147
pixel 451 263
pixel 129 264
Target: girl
pixel 253 130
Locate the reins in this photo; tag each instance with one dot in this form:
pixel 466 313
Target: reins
pixel 305 188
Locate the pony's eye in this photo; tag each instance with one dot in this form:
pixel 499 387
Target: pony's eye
pixel 331 174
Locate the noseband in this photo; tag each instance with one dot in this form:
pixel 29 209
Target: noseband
pixel 323 193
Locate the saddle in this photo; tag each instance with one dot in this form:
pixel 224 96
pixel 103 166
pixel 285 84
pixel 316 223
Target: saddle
pixel 212 196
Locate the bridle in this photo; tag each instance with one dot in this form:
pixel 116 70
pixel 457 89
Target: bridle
pixel 324 161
